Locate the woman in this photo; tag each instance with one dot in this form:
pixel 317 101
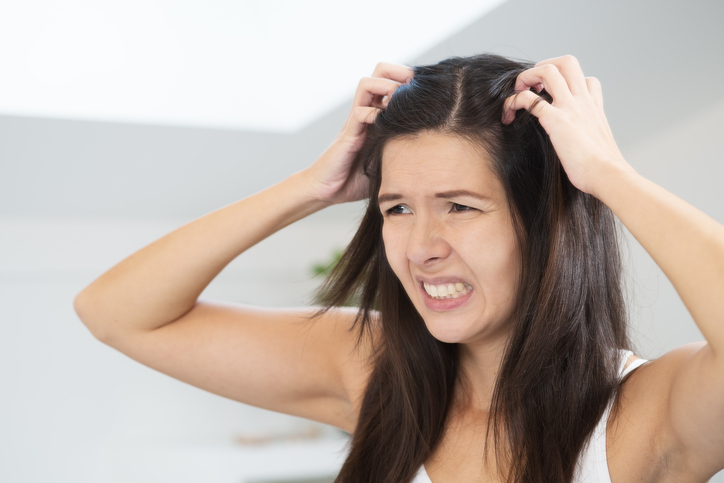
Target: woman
pixel 491 338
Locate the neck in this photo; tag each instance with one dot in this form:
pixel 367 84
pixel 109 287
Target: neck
pixel 479 366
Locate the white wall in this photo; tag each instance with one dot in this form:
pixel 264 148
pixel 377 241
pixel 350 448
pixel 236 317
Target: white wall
pixel 686 158
pixel 75 410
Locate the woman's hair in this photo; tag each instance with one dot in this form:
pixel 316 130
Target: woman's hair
pixel 560 365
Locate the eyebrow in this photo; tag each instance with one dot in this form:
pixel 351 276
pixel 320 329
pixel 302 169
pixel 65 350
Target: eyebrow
pixel 387 197
pixel 458 193
pixel 445 194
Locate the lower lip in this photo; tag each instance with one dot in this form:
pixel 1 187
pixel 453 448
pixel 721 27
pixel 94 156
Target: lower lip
pixel 442 305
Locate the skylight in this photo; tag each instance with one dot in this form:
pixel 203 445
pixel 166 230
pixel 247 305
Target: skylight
pixel 246 65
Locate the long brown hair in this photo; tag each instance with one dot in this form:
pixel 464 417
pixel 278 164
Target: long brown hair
pixel 559 369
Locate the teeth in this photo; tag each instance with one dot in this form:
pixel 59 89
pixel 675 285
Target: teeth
pixel 448 290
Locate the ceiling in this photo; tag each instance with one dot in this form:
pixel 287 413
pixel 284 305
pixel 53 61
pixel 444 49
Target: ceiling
pixel 658 62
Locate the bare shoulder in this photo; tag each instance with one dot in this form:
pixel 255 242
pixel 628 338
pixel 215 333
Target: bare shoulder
pixel 356 358
pixel 639 446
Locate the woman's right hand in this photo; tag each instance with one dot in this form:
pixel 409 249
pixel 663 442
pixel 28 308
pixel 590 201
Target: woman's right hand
pixel 331 178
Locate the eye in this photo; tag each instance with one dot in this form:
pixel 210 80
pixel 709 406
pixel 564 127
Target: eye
pixel 397 210
pixel 459 207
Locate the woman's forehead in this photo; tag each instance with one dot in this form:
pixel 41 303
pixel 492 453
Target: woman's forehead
pixel 446 160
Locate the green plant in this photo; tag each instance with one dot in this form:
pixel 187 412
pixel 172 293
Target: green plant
pixel 322 269
pixel 325 268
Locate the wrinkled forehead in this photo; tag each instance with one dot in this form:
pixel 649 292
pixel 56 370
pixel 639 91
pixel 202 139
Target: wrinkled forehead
pixel 437 161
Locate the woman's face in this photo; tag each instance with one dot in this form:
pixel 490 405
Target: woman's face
pixel 448 236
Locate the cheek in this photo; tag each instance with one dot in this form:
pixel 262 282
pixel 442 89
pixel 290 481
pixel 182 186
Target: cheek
pixel 391 244
pixel 395 251
pixel 495 259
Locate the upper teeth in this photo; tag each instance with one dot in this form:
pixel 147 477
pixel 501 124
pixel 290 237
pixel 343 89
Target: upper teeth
pixel 447 290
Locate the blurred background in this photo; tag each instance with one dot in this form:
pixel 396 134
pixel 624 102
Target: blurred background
pixel 120 121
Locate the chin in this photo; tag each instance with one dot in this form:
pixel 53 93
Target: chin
pixel 449 333
pixel 465 332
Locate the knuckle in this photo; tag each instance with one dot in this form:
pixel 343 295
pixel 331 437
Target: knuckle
pixel 569 59
pixel 359 112
pixel 539 101
pixel 370 115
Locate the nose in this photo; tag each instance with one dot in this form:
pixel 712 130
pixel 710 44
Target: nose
pixel 427 244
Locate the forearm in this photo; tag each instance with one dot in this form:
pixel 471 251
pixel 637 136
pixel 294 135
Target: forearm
pixel 686 243
pixel 162 281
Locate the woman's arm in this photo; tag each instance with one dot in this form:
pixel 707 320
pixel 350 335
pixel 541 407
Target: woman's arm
pixel 146 306
pixel 161 282
pixel 687 244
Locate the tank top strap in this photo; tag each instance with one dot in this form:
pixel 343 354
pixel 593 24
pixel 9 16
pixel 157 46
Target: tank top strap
pixel 625 354
pixel 592 465
pixel 421 476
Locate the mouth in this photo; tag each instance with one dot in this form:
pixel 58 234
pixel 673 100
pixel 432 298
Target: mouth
pixel 445 291
pixel 445 296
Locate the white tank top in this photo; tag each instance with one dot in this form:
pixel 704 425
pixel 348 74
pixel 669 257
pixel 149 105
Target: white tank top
pixel 592 466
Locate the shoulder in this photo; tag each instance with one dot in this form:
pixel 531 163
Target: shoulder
pixel 638 443
pixel 354 349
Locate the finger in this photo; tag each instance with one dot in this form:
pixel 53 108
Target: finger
pixel 370 91
pixel 396 72
pixel 528 100
pixel 594 88
pixel 571 71
pixel 548 77
pixel 359 118
pixel 400 73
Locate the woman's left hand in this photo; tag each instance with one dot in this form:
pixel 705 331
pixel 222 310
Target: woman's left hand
pixel 574 120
